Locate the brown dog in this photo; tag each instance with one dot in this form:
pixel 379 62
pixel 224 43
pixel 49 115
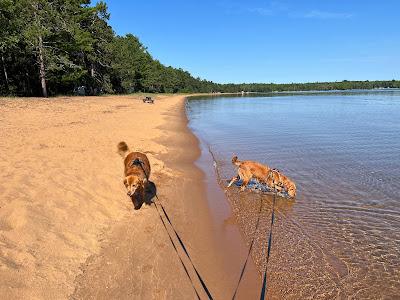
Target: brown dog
pixel 137 171
pixel 279 182
pixel 247 170
pixel 264 174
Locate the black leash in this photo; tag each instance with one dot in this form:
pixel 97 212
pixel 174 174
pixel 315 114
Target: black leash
pixel 180 259
pixel 264 284
pixel 251 247
pixel 186 252
pixel 139 162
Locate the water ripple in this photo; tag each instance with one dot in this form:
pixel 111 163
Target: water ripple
pixel 341 237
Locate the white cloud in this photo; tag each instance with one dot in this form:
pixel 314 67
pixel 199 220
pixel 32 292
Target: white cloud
pixel 261 11
pixel 276 8
pixel 317 14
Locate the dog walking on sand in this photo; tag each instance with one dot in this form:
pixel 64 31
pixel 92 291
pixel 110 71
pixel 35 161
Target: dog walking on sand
pixel 136 175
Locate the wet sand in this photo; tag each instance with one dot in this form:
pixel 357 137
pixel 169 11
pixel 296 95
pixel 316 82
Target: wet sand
pixel 67 228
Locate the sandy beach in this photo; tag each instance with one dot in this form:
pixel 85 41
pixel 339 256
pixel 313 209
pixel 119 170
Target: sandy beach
pixel 97 95
pixel 67 228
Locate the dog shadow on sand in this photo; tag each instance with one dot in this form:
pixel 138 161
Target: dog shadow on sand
pixel 150 193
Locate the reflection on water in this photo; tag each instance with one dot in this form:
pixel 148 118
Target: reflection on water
pixel 341 237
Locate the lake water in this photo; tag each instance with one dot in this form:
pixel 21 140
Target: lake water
pixel 340 238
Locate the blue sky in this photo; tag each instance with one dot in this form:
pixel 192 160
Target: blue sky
pixel 268 41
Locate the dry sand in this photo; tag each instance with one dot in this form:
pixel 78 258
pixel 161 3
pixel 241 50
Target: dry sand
pixel 67 228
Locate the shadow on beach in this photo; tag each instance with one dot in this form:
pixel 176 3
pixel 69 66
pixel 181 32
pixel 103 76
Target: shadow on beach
pixel 150 193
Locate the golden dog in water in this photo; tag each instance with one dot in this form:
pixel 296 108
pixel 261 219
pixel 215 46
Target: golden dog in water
pixel 279 182
pixel 273 178
pixel 249 169
pixel 136 176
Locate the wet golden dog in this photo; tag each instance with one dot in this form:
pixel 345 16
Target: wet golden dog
pixel 135 179
pixel 279 182
pixel 247 170
pixel 273 178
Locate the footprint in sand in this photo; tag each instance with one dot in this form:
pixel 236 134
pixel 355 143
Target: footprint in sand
pixel 12 217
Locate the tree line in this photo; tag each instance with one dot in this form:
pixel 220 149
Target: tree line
pixel 312 86
pixel 51 47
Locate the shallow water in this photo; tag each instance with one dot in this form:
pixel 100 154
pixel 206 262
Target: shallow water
pixel 341 236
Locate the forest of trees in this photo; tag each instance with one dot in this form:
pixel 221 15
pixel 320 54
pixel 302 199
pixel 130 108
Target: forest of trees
pixel 312 86
pixel 51 47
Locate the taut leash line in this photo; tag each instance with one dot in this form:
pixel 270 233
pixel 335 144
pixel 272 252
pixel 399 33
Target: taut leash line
pixel 264 284
pixel 180 259
pixel 139 162
pixel 250 248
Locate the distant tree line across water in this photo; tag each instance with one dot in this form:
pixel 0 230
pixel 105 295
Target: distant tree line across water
pixel 66 46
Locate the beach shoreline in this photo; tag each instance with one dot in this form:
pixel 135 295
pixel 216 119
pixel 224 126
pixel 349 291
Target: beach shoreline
pixel 64 204
pixel 183 194
pixel 68 230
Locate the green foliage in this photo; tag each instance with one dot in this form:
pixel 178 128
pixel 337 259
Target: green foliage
pixel 313 86
pixel 59 45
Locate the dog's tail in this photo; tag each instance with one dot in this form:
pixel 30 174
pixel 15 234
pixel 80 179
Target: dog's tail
pixel 235 161
pixel 123 149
